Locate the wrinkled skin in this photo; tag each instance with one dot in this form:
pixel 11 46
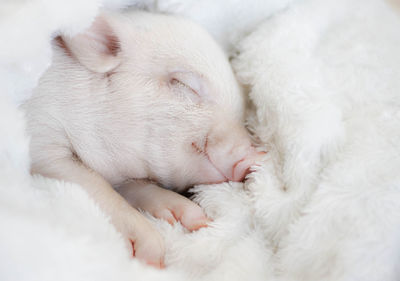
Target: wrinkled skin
pixel 140 101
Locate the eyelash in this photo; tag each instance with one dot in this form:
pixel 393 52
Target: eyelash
pixel 177 82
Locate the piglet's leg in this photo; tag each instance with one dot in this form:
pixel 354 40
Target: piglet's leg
pixel 164 204
pixel 140 236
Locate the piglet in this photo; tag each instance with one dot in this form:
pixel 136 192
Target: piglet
pixel 136 102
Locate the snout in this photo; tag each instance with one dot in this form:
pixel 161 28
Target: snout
pixel 242 167
pixel 230 153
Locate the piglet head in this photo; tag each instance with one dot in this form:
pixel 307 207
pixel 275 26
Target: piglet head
pixel 197 107
pixel 174 97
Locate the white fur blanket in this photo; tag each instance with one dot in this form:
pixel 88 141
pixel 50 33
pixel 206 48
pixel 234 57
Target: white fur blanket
pixel 324 77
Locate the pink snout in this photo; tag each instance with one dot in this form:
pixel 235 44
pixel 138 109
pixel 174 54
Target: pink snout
pixel 242 167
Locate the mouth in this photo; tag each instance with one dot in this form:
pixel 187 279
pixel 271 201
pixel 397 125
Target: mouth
pixel 203 151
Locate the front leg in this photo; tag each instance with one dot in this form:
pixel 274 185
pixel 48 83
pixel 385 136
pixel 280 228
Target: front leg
pixel 147 245
pixel 164 204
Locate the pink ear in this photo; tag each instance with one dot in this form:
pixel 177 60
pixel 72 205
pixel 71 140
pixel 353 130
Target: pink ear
pixel 97 47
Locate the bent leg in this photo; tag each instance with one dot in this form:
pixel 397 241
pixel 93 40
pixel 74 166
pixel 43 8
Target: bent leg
pixel 138 233
pixel 164 204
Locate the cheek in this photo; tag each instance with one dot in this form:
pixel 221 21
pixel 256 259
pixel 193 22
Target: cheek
pixel 199 130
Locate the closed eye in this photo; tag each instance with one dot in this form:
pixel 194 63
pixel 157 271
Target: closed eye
pixel 177 83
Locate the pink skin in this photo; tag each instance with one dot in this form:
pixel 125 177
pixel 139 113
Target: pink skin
pixel 173 207
pixel 242 167
pixel 239 169
pixel 192 135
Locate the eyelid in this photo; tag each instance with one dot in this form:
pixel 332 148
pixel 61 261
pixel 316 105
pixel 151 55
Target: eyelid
pixel 188 79
pixel 174 81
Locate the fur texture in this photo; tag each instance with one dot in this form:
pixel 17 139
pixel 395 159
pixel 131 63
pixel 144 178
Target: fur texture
pixel 328 107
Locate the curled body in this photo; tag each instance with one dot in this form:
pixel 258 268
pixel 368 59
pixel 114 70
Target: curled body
pixel 136 102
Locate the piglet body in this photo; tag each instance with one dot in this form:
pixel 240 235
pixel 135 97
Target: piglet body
pixel 137 101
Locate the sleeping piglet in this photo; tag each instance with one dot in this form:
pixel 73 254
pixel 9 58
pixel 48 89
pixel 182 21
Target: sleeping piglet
pixel 136 102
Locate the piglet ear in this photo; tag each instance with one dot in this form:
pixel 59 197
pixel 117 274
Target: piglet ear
pixel 96 48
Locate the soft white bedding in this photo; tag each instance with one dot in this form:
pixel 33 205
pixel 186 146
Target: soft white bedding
pixel 324 77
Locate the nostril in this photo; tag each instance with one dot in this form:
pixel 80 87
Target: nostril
pixel 235 165
pixel 236 169
pixel 242 167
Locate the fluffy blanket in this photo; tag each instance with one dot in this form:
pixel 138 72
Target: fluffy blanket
pixel 324 79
